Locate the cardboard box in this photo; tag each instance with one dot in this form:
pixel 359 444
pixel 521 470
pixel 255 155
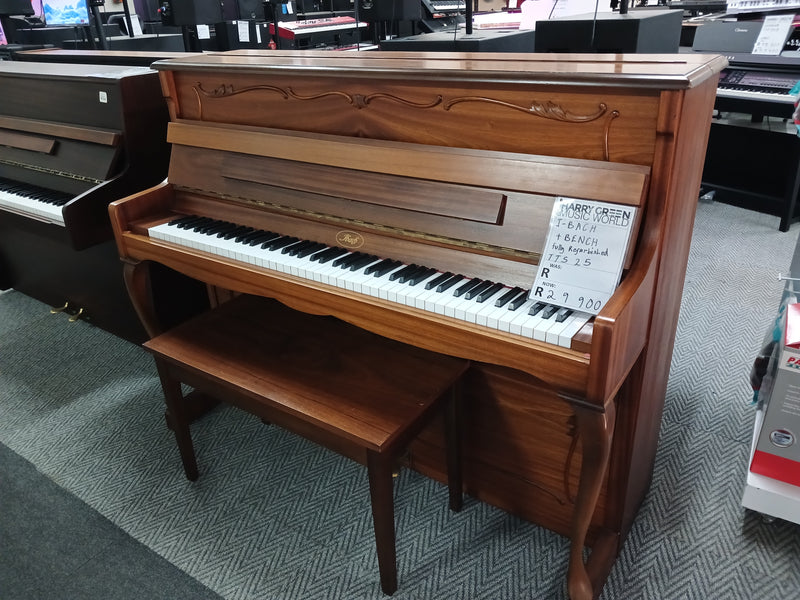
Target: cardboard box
pixel 777 453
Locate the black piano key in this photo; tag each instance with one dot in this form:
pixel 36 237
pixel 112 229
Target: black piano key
pixel 372 268
pixel 506 298
pixel 246 234
pixel 537 308
pixel 194 224
pixel 225 229
pixel 292 249
pixel 475 290
pixel 206 226
pixel 323 253
pixel 345 260
pixel 443 287
pixel 309 250
pixel 465 287
pixel 421 275
pixel 519 300
pixel 329 254
pixel 236 232
pixel 362 261
pixel 409 275
pixel 181 222
pixel 402 273
pixel 261 237
pixel 562 314
pixel 438 280
pixel 489 292
pixel 279 242
pixel 384 269
pixel 549 311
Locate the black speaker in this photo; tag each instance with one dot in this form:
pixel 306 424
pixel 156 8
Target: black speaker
pixel 16 7
pixel 251 9
pixel 371 11
pixel 645 31
pixel 485 40
pixel 192 12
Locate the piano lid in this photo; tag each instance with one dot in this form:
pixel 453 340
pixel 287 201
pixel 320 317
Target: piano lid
pixel 659 71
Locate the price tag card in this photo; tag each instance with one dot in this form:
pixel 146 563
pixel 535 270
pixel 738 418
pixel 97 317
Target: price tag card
pixel 773 35
pixel 582 259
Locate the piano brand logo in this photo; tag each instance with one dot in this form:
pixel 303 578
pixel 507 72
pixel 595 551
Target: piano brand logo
pixel 349 239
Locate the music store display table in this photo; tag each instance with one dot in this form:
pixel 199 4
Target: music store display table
pixel 357 393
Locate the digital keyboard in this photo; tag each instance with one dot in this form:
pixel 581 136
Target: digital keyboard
pixel 474 300
pixel 444 6
pixel 759 86
pixel 293 29
pixel 33 201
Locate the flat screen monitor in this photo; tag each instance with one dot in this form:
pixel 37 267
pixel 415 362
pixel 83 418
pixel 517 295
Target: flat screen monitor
pixel 65 12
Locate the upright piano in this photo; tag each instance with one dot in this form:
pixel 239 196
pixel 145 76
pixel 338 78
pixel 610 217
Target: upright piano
pixel 446 165
pixel 72 139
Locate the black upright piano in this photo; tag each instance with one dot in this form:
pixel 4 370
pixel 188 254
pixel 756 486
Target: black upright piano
pixel 73 138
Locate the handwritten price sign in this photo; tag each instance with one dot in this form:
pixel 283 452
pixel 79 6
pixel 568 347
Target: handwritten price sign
pixel 582 260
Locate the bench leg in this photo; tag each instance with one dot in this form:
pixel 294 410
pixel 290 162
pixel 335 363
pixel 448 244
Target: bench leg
pixel 379 470
pixel 452 423
pixel 179 420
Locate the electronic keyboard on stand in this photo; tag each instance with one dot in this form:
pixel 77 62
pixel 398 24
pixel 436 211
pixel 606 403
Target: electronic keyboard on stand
pixel 753 159
pixel 332 32
pixel 411 195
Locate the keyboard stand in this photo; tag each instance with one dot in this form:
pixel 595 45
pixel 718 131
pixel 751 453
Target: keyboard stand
pixel 352 391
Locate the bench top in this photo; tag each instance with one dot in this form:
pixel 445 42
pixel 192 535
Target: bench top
pixel 317 369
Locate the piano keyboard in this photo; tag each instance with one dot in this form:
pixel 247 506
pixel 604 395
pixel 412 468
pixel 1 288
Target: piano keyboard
pixel 757 85
pixel 482 302
pixel 290 29
pixel 448 5
pixel 33 201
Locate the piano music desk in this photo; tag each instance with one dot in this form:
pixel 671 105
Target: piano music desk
pixel 355 392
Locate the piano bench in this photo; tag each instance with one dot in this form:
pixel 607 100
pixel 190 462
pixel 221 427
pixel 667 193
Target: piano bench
pixel 352 391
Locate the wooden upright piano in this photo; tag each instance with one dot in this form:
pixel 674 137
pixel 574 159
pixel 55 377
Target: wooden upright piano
pixel 452 162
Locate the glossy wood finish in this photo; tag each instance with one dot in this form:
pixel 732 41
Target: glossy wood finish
pixel 321 378
pixel 563 437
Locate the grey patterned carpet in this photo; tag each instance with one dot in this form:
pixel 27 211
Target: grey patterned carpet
pixel 273 517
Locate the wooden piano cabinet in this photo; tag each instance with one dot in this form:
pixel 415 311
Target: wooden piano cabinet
pixel 317 145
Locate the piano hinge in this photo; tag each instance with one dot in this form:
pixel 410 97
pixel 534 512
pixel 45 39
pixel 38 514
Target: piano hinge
pixel 55 172
pixel 394 231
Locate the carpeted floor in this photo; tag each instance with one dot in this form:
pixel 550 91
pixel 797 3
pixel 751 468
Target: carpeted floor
pixel 276 518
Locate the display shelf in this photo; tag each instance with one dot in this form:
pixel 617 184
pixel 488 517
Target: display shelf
pixel 769 496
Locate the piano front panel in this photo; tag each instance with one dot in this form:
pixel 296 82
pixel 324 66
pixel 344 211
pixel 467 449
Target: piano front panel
pixel 95 101
pixel 522 455
pixel 552 120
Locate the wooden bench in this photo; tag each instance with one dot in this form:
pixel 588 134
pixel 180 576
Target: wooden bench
pixel 354 392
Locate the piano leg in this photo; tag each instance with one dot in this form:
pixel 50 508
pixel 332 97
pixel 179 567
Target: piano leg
pixel 596 430
pixel 138 280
